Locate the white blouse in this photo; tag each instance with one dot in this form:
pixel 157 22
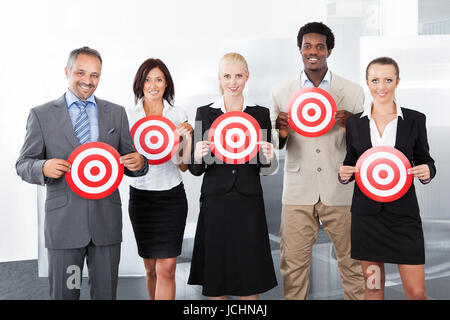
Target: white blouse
pixel 390 131
pixel 163 176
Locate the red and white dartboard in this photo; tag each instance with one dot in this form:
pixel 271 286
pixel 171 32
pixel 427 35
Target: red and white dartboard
pixel 95 170
pixel 155 138
pixel 311 112
pixel 383 174
pixel 235 137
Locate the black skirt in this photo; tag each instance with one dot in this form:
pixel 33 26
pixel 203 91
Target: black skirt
pixel 231 253
pixel 158 219
pixel 387 237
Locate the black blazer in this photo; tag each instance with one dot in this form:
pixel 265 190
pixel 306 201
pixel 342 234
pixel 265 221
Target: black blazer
pixel 411 140
pixel 219 177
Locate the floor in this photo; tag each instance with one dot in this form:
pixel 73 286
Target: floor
pixel 19 280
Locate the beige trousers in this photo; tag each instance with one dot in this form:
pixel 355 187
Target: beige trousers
pixel 298 232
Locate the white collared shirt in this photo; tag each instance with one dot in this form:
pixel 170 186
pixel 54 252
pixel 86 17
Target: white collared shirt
pixel 220 104
pixel 390 131
pixel 163 176
pixel 325 84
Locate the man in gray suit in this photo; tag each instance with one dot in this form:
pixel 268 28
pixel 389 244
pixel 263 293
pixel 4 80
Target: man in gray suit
pixel 76 227
pixel 311 191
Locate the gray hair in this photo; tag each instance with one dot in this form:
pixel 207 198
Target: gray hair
pixel 84 50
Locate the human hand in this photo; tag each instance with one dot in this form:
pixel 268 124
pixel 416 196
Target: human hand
pixel 133 161
pixel 346 172
pixel 282 124
pixel 201 150
pixel 55 168
pixel 421 172
pixel 267 150
pixel 342 116
pixel 184 129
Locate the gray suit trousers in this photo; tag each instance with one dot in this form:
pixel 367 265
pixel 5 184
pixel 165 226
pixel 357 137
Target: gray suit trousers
pixel 65 269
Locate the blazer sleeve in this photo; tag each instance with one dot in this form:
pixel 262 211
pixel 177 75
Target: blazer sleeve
pixel 126 145
pixel 32 155
pixel 421 154
pixel 265 167
pixel 197 169
pixel 351 156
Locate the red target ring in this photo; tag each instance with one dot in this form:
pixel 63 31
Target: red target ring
pixel 155 138
pixel 96 171
pixel 311 112
pixel 382 174
pixel 235 137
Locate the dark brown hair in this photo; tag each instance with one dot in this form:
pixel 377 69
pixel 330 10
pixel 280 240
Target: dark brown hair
pixel 141 75
pixel 384 61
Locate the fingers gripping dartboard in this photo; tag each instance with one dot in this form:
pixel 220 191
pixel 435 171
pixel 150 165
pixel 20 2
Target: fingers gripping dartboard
pixel 95 170
pixel 235 137
pixel 311 112
pixel 155 138
pixel 382 174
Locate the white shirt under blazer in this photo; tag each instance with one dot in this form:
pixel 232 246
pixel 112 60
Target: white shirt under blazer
pixel 163 176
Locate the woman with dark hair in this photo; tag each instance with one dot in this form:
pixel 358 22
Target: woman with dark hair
pixel 389 232
pixel 158 205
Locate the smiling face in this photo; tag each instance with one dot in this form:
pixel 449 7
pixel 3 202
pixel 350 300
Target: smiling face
pixel 84 75
pixel 232 77
pixel 382 81
pixel 314 52
pixel 154 85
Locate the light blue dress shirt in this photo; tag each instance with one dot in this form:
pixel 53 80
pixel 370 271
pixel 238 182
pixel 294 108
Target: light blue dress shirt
pixel 91 110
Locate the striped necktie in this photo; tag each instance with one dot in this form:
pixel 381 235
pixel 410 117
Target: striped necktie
pixel 81 127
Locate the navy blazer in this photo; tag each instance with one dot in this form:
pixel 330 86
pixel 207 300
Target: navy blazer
pixel 219 177
pixel 411 140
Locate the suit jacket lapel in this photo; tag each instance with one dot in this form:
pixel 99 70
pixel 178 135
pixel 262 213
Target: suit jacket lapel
pixel 336 90
pixel 401 138
pixel 102 112
pixel 214 114
pixel 62 117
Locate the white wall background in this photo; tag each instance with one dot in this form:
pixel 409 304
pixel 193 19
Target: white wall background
pixel 189 36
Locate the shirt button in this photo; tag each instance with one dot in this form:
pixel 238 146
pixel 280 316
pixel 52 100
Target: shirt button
pixel 233 171
pixel 319 169
pixel 318 150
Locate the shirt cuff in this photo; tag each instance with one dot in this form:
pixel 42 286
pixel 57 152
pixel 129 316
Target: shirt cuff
pixel 343 181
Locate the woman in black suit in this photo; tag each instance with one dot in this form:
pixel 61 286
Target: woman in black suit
pixel 388 232
pixel 231 253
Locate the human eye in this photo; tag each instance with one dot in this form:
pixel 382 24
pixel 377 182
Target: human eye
pixel 306 46
pixel 227 76
pixel 320 47
pixel 388 80
pixel 374 80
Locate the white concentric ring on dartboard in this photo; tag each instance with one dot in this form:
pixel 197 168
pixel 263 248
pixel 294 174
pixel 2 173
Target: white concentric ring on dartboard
pixel 383 174
pixel 155 138
pixel 95 170
pixel 311 112
pixel 235 137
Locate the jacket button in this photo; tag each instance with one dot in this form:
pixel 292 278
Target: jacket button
pixel 318 150
pixel 319 169
pixel 233 171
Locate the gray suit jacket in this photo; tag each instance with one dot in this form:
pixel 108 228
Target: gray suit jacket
pixel 312 164
pixel 70 220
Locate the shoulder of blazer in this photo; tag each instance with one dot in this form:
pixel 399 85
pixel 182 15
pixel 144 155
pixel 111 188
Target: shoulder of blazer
pixel 346 86
pixel 412 114
pixel 285 85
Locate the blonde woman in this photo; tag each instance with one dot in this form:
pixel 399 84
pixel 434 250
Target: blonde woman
pixel 231 251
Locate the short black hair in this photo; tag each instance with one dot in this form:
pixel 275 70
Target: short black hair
pixel 84 50
pixel 316 27
pixel 141 75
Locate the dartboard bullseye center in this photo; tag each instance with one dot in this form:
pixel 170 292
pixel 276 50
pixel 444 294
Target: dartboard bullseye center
pixel 96 171
pixel 382 174
pixel 235 137
pixel 155 137
pixel 311 112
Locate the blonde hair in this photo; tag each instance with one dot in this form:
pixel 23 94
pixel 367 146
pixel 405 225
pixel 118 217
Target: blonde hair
pixel 232 57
